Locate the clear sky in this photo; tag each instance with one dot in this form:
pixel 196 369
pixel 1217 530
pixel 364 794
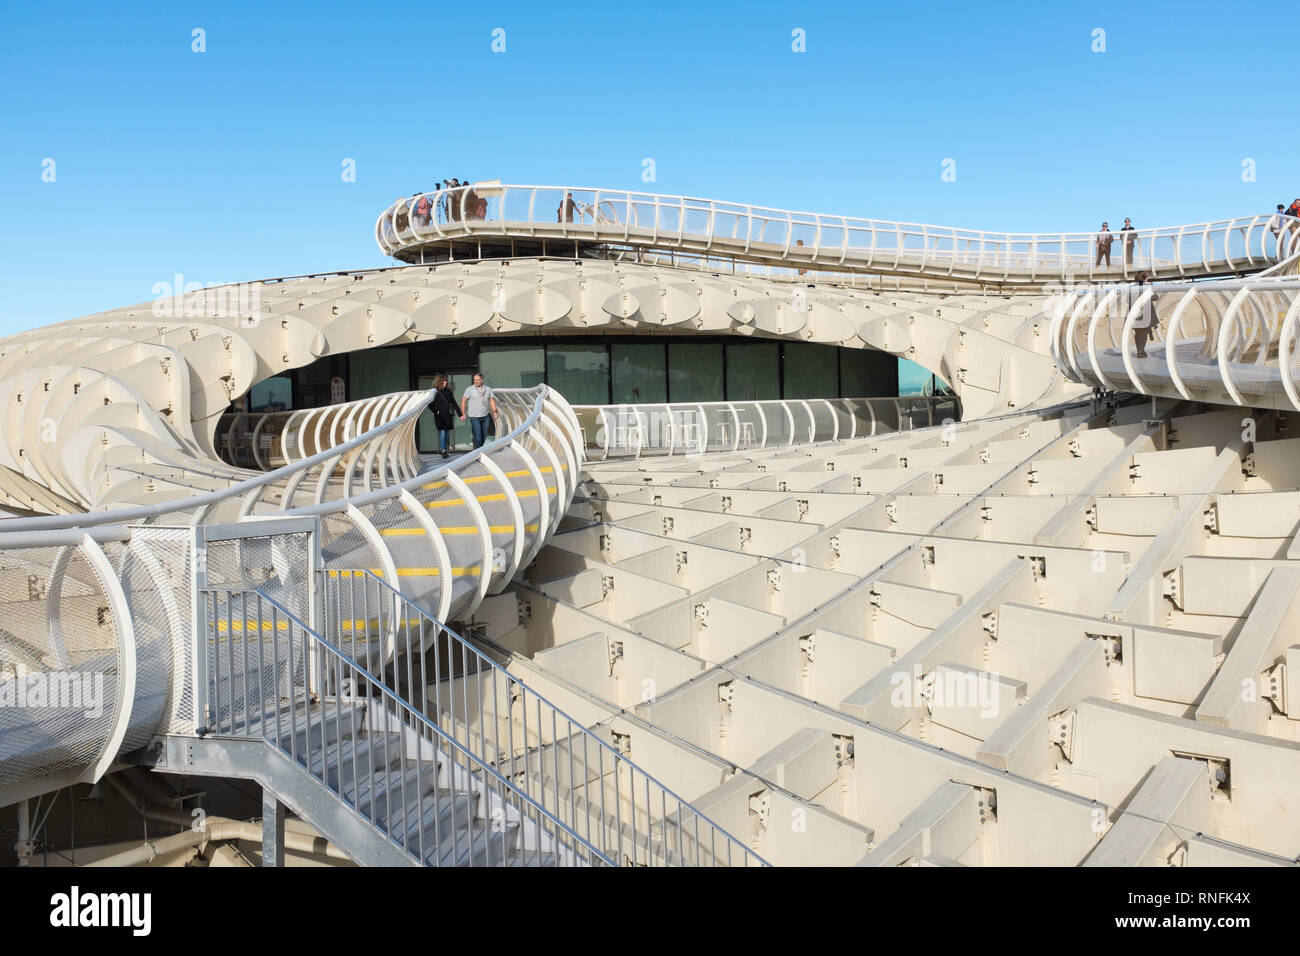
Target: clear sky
pixel 225 165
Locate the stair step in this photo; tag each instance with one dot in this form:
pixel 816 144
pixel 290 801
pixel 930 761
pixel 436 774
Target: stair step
pixel 393 792
pixel 477 845
pixel 442 815
pixel 312 731
pixel 532 858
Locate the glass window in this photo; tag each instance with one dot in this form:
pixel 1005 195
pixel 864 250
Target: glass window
pixel 640 373
pixel 513 366
pixel 809 370
pixel 865 373
pixel 695 372
pixel 913 379
pixel 579 372
pixel 753 370
pixel 378 372
pixel 273 395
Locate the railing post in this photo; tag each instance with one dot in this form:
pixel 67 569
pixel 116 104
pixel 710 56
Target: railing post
pixel 199 616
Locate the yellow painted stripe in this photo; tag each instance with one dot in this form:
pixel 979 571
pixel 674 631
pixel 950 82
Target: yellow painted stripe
pixel 495 529
pixel 542 468
pixel 414 532
pixel 252 625
pixel 496 496
pixel 406 572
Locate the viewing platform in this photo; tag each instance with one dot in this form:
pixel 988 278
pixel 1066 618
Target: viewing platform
pixel 494 220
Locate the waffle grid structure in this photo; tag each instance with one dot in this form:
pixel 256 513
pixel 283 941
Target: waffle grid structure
pixel 1054 628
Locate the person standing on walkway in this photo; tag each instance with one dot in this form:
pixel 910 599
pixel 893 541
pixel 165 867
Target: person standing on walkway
pixel 444 407
pixel 479 405
pixel 1130 240
pixel 1104 239
pixel 1145 325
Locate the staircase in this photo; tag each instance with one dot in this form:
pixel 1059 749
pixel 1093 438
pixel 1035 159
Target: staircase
pixel 450 782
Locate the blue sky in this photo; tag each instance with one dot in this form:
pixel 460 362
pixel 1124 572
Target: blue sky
pixel 225 165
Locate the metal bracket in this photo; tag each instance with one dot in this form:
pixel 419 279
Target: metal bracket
pixel 1172 586
pixel 1112 647
pixel 760 806
pixel 843 744
pixel 1212 519
pixel 1060 731
pixel 726 695
pixel 1274 686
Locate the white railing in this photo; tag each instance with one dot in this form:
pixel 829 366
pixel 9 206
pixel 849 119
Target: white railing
pixel 824 242
pixel 692 428
pixel 269 440
pixel 1225 342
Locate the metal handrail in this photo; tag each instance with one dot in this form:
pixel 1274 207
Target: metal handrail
pixel 142 513
pixel 632 429
pixel 837 241
pixel 387 616
pixel 330 677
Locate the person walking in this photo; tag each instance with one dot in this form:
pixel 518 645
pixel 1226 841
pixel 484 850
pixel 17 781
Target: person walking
pixel 1144 327
pixel 1130 240
pixel 479 405
pixel 444 407
pixel 1104 239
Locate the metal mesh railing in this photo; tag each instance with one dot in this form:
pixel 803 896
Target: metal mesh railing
pixel 551 759
pixel 272 678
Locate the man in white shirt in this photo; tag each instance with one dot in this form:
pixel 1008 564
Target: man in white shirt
pixel 477 405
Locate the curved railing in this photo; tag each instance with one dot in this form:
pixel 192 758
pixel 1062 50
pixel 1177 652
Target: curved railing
pixel 620 218
pixel 1225 342
pixel 267 440
pixel 692 428
pixel 102 599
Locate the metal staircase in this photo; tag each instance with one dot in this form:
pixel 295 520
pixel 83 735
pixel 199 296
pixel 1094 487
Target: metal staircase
pixel 466 767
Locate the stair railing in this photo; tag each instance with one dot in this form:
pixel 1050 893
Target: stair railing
pixel 272 677
pixel 586 781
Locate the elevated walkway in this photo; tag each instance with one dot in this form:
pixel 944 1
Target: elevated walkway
pixel 496 219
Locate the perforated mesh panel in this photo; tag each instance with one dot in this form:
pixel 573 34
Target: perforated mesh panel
pixel 58 662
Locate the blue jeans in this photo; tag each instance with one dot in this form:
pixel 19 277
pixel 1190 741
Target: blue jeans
pixel 444 439
pixel 479 428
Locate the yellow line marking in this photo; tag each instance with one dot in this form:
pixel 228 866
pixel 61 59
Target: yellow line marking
pixel 477 478
pixel 496 496
pixel 458 529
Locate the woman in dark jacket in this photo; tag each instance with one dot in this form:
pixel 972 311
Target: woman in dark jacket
pixel 444 406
